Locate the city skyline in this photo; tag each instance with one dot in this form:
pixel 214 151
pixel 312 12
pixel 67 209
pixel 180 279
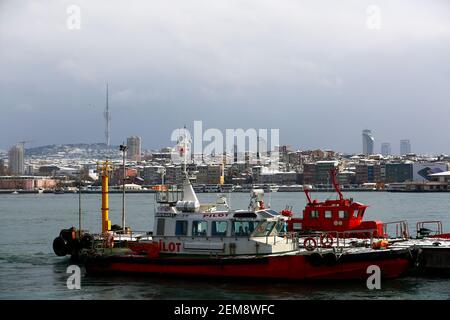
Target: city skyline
pixel 135 147
pixel 236 64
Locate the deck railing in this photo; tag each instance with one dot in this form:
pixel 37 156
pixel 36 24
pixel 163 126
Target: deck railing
pixel 336 240
pixel 401 229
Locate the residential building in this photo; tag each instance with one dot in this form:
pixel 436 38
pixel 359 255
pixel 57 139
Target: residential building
pixel 16 160
pixel 386 149
pixel 405 147
pixel 134 148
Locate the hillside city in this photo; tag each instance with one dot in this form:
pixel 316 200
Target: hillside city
pixel 64 167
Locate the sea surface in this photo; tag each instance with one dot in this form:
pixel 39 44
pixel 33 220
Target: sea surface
pixel 30 270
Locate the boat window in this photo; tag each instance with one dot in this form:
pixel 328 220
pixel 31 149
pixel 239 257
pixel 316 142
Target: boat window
pixel 314 214
pixel 243 228
pixel 355 213
pixel 245 215
pixel 264 228
pixel 181 228
pixel 343 214
pixel 219 228
pixel 297 226
pixel 328 214
pixel 160 227
pixel 265 214
pixel 273 212
pixel 361 212
pixel 199 228
pixel 281 226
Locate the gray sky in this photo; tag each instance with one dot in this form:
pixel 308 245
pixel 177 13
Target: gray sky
pixel 313 69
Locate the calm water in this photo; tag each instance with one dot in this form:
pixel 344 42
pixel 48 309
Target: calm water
pixel 30 270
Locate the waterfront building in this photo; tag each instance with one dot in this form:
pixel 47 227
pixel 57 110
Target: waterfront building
pixel 368 141
pixel 346 177
pixel 16 160
pixel 398 172
pixel 2 167
pixel 369 172
pixel 134 148
pixel 361 173
pixel 422 171
pixel 405 147
pixel 323 171
pixel 26 182
pixel 260 176
pixel 280 178
pixel 386 149
pixel 116 177
pixel 309 173
pixel 318 172
pixel 174 174
pixel 153 174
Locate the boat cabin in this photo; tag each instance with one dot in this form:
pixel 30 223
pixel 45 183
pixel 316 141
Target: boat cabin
pixel 184 226
pixel 340 215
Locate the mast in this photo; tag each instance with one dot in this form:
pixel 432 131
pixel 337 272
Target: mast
pixel 79 206
pixel 335 184
pixel 104 169
pixel 124 149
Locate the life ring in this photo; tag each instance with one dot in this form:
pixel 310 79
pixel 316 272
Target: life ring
pixel 310 244
pixel 326 240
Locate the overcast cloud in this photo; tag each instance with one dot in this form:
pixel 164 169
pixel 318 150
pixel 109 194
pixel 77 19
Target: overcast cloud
pixel 313 69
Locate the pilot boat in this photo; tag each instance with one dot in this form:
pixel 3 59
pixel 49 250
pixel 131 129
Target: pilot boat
pixel 212 240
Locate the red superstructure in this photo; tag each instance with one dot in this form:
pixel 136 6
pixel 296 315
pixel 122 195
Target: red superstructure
pixel 341 215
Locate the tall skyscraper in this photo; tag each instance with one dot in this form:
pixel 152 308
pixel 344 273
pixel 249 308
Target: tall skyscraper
pixel 16 161
pixel 367 140
pixel 405 147
pixel 134 148
pixel 386 149
pixel 107 116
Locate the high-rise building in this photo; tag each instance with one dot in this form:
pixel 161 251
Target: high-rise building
pixel 367 139
pixel 386 149
pixel 134 148
pixel 16 162
pixel 405 147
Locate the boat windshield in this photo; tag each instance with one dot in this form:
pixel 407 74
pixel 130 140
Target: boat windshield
pixel 264 228
pixel 242 228
pixel 272 212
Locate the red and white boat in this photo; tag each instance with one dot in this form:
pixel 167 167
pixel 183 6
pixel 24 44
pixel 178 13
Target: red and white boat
pixel 205 240
pixel 212 240
pixel 343 218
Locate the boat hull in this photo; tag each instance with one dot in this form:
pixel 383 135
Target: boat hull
pixel 289 267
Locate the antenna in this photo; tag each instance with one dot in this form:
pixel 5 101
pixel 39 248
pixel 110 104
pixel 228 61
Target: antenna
pixel 107 116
